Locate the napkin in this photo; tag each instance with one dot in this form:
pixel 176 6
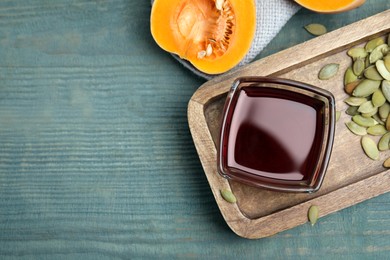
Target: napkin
pixel 271 16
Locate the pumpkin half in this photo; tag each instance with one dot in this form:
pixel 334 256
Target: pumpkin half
pixel 213 35
pixel 330 6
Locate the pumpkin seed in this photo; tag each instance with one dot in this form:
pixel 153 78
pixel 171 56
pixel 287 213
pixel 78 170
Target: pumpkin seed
pixel 357 52
pixel 349 76
pixel 366 88
pixel 355 128
pixel 355 101
pixel 358 66
pixel 328 71
pixel 372 73
pixel 370 148
pixel 377 130
pixel 370 114
pixel 378 99
pixel 388 123
pixel 313 214
pixel 209 50
pixel 201 54
pixel 386 89
pixel 366 107
pixel 372 44
pixel 219 4
pixel 365 122
pixel 338 114
pixel 383 144
pixel 384 111
pixel 367 61
pixel 350 87
pixel 380 66
pixel 378 119
pixel 352 111
pixel 228 196
pixel 386 163
pixel 316 29
pixel 386 59
pixel 378 52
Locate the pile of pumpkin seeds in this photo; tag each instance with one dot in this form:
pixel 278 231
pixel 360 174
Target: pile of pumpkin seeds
pixel 367 81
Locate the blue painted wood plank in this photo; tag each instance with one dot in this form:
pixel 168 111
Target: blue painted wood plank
pixel 96 158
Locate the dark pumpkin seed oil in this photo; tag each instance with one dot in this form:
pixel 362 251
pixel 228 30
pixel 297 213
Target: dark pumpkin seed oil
pixel 274 134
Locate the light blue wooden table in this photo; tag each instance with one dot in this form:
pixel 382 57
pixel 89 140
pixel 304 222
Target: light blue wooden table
pixel 96 158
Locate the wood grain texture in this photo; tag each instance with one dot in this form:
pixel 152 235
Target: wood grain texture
pixel 96 158
pixel 350 177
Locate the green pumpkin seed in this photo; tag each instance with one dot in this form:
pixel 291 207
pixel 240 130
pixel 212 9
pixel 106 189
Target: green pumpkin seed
pixel 357 52
pixel 383 144
pixel 365 122
pixel 313 214
pixel 387 125
pixel 380 66
pixel 384 111
pixel 386 59
pixel 386 163
pixel 378 99
pixel 352 111
pixel 372 73
pixel 378 52
pixel 328 71
pixel 372 44
pixel 366 88
pixel 377 130
pixel 358 66
pixel 366 107
pixel 367 61
pixel 228 196
pixel 378 119
pixel 316 29
pixel 338 114
pixel 350 87
pixel 355 128
pixel 355 101
pixel 349 76
pixel 370 114
pixel 386 89
pixel 370 148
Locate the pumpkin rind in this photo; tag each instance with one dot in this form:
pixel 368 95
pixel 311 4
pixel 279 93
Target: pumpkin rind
pixel 330 6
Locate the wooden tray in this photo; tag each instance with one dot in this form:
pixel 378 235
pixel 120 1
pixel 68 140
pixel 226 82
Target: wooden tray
pixel 351 176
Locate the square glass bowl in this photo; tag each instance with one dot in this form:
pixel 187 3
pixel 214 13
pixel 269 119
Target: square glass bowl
pixel 276 134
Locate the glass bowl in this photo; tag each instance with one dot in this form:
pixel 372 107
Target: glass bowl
pixel 276 134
